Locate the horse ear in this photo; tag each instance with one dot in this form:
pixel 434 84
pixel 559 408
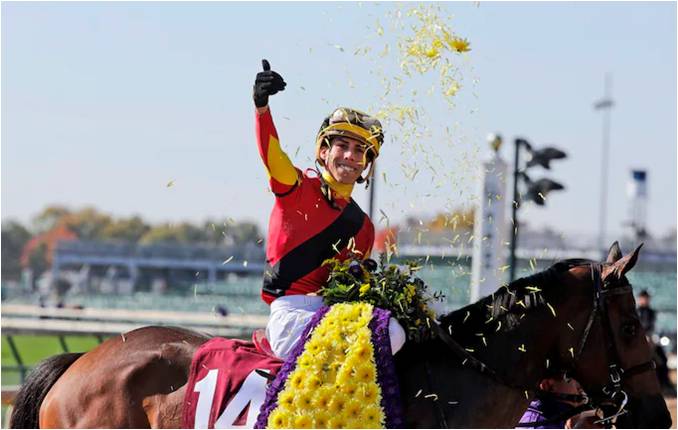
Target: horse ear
pixel 614 253
pixel 625 264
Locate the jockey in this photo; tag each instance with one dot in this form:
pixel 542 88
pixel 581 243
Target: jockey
pixel 313 217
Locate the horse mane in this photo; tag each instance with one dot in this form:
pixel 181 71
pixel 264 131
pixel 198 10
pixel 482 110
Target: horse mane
pixel 502 310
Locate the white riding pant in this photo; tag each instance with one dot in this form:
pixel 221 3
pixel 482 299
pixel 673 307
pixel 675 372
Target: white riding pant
pixel 291 314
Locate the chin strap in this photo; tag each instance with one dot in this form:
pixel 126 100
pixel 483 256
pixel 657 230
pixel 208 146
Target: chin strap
pixel 367 177
pixel 325 189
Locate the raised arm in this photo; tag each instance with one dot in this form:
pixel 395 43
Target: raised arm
pixel 282 173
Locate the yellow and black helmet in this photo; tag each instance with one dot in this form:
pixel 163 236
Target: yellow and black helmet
pixel 355 124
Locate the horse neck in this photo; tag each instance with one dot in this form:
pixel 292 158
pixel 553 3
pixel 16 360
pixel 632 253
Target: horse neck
pixel 519 355
pixel 435 370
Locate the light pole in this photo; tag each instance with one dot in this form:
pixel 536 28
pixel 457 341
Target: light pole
pixel 535 190
pixel 373 185
pixel 604 104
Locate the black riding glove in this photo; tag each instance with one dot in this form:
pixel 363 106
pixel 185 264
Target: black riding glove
pixel 266 84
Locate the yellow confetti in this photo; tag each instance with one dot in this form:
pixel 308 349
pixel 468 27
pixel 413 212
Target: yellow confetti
pixel 468 313
pixel 571 351
pixel 570 326
pixel 553 311
pixel 522 348
pixel 228 260
pixel 170 183
pixel 498 326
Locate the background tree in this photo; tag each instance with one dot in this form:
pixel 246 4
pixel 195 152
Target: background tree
pixel 14 238
pixel 174 233
pixel 87 223
pixel 130 229
pixel 49 218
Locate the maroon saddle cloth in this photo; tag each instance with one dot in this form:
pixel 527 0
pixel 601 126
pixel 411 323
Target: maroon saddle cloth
pixel 227 383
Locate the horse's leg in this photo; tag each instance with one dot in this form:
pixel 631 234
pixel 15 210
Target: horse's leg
pixel 120 384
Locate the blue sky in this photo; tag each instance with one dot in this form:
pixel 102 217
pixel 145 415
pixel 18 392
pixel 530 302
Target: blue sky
pixel 104 103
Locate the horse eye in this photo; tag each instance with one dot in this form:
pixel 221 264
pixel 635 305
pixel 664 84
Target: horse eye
pixel 629 329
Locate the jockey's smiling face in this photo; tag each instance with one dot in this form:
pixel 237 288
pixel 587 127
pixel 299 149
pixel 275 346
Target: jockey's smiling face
pixel 344 159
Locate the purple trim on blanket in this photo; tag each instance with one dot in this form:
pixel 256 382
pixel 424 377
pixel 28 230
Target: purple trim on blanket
pixel 386 372
pixel 278 383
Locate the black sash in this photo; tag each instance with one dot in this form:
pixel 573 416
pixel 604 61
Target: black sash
pixel 310 255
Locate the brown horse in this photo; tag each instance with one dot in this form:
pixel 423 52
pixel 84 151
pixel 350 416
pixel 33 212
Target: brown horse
pixel 480 371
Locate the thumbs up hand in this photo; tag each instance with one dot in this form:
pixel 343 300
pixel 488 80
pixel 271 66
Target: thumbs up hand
pixel 266 84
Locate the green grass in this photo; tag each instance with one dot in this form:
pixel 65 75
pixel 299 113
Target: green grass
pixel 33 349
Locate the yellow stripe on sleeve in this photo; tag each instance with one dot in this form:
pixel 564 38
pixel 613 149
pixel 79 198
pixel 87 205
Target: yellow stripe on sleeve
pixel 279 165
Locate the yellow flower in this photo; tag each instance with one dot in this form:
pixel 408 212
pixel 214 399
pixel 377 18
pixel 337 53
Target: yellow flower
pixel 302 422
pixel 365 373
pixel 345 375
pixel 460 45
pixel 305 361
pixel 315 346
pixel 322 398
pixel 278 420
pixel 337 404
pixel 321 420
pixel 303 400
pixel 296 380
pixel 286 399
pixel 337 422
pixel 355 424
pixel 368 392
pixel 313 382
pixel 364 288
pixel 360 353
pixel 353 409
pixel 350 388
pixel 372 417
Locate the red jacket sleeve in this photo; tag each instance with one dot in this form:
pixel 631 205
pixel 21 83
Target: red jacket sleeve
pixel 281 172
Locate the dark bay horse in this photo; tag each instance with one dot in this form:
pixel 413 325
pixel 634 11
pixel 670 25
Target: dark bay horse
pixel 480 371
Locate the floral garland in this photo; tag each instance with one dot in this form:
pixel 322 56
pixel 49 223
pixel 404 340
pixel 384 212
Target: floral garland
pixel 332 380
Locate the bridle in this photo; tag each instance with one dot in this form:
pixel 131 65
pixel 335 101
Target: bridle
pixel 610 398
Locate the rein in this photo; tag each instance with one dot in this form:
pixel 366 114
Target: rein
pixel 613 396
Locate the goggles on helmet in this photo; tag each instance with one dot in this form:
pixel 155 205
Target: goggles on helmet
pixel 355 124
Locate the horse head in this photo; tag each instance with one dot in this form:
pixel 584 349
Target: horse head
pixel 607 350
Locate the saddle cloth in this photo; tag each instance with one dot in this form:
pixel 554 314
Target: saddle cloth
pixel 227 384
